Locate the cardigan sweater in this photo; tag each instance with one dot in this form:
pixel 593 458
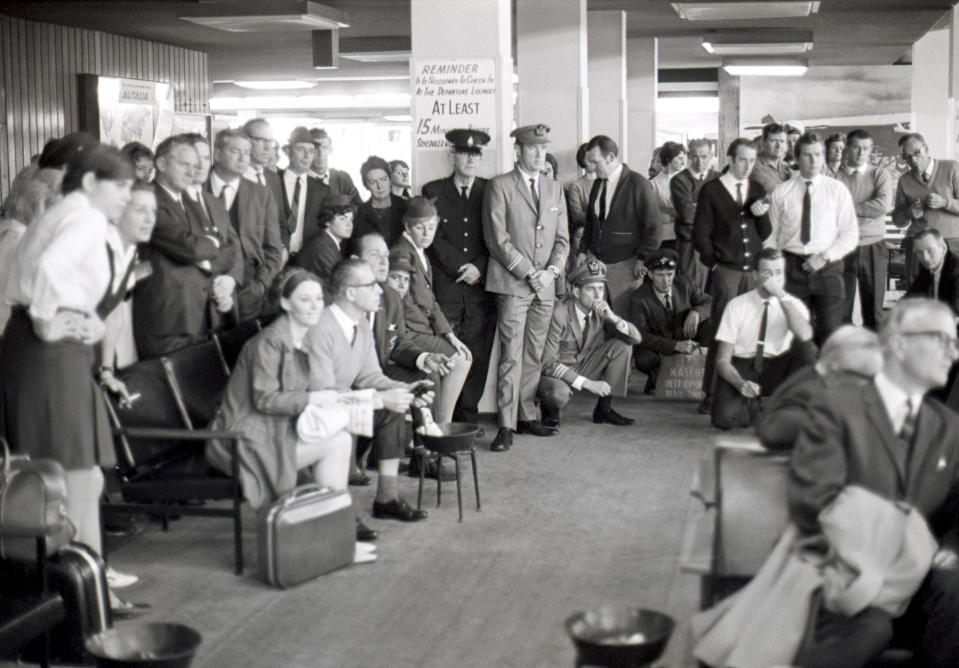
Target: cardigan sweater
pixel 726 234
pixel 945 182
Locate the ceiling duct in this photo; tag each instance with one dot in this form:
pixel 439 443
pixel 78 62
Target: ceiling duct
pixel 261 16
pixel 744 10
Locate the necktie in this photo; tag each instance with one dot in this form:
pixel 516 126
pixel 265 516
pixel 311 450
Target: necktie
pixel 406 193
pixel 668 303
pixel 464 192
pixel 761 342
pixel 353 338
pixel 224 196
pixel 602 200
pixel 532 189
pixel 295 207
pixel 805 231
pixel 908 430
pixel 261 177
pixel 587 325
pixel 739 195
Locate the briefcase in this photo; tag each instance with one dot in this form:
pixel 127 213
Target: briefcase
pixel 304 534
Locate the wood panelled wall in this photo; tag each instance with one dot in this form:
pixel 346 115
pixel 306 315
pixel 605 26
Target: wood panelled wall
pixel 39 64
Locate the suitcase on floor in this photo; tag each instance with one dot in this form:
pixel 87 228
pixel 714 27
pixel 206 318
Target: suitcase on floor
pixel 79 575
pixel 304 534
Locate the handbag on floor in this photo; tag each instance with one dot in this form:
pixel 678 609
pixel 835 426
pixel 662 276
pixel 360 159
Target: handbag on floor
pixel 304 534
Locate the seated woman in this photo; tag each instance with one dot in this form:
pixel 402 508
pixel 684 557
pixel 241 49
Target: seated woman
pixel 383 211
pixel 426 325
pixel 322 251
pixel 266 395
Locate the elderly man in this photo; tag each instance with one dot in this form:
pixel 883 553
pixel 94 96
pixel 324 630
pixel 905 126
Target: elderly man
pixel 763 337
pixel 891 440
pixel 253 215
pixel 850 357
pixel 261 154
pixel 526 232
pixel 460 260
pixel 299 196
pixel 588 347
pixel 873 193
pixel 939 270
pixel 771 168
pixel 343 356
pixel 926 196
pixel 814 223
pixel 684 189
pixel 623 220
pixel 338 181
pixel 671 313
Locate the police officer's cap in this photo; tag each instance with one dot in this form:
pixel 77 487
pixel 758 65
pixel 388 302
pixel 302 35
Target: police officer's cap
pixel 531 134
pixel 468 141
pixel 591 271
pixel 664 258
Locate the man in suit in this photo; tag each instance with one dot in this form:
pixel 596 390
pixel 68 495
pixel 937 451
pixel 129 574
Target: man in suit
pixel 261 154
pixel 622 220
pixel 893 441
pixel 338 181
pixel 190 249
pixel 671 313
pixel 300 196
pixel 938 270
pixel 588 347
pixel 460 258
pixel 771 168
pixel 684 190
pixel 343 357
pixel 873 193
pixel 253 216
pixel 526 232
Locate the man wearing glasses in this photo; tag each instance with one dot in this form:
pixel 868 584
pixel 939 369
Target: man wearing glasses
pixel 893 441
pixel 261 153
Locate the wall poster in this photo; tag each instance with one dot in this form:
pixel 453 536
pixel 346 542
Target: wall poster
pixel 118 111
pixel 452 93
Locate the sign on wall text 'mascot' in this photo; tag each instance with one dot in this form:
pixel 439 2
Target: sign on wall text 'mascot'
pixel 449 94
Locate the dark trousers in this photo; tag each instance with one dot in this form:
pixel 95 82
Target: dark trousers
pixel 869 267
pixel 648 360
pixel 690 264
pixel 391 433
pixel 731 409
pixel 726 284
pixel 822 292
pixel 474 325
pixel 928 627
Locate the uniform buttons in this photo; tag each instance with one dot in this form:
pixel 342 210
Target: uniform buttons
pixel 539 227
pixel 539 245
pixel 745 267
pixel 743 226
pixel 746 254
pixel 466 234
pixel 466 220
pixel 466 250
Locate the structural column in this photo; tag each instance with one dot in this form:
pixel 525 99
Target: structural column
pixel 607 76
pixel 932 107
pixel 551 62
pixel 642 63
pixel 461 73
pixel 730 125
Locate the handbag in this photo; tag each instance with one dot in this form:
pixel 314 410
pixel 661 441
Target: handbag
pixel 33 496
pixel 681 376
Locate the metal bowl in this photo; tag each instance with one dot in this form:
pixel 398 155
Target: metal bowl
pixel 156 645
pixel 457 436
pixel 619 636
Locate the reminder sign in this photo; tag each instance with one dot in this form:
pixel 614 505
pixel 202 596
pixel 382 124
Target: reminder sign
pixel 450 94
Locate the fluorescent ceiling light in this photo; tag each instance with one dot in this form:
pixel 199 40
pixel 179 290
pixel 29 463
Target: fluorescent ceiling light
pixel 372 101
pixel 687 105
pixel 737 10
pixel 398 118
pixel 377 56
pixel 259 16
pixel 274 85
pixel 765 67
pixel 759 43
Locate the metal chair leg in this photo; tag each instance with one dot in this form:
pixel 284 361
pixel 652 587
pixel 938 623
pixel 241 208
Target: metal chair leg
pixel 475 477
pixel 421 455
pixel 459 486
pixel 439 478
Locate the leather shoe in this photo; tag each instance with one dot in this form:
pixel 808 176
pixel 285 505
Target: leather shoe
pixel 120 609
pixel 534 427
pixel 503 440
pixel 706 405
pixel 359 479
pixel 609 416
pixel 364 533
pixel 650 387
pixel 550 417
pixel 397 509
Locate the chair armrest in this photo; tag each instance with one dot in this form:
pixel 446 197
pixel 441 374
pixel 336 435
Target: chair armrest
pixel 177 434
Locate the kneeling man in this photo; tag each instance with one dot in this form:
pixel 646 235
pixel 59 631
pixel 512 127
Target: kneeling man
pixel 588 347
pixel 763 336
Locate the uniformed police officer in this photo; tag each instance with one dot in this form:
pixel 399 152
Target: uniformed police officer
pixel 588 347
pixel 525 228
pixel 459 258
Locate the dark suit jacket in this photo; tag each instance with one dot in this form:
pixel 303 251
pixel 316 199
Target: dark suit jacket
pixel 684 191
pixel 660 333
pixel 367 222
pixel 320 254
pixel 342 184
pixel 717 230
pixel 175 300
pixel 421 294
pixel 848 439
pixel 393 346
pixel 253 217
pixel 458 241
pixel 316 193
pixel 948 283
pixel 632 228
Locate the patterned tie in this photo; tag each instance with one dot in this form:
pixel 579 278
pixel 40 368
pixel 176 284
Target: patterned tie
pixel 805 231
pixel 908 430
pixel 532 189
pixel 761 342
pixel 739 195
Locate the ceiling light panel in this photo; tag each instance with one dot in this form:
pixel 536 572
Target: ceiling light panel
pixel 275 16
pixel 758 43
pixel 725 10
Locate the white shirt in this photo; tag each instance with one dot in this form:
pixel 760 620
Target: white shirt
pixel 527 177
pixel 345 322
pixel 255 173
pixel 62 260
pixel 325 178
pixel 468 184
pixel 895 401
pixel 289 180
pixel 861 169
pixel 419 253
pixel 177 197
pixel 218 184
pixel 742 319
pixel 611 181
pixel 834 229
pixel 729 182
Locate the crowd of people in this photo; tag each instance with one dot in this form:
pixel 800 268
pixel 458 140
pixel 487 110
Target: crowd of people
pixel 108 256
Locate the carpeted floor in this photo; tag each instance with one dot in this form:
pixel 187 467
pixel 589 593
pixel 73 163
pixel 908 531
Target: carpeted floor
pixel 591 516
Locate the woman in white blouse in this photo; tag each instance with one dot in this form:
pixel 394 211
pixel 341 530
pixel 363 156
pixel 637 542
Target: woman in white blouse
pixel 65 282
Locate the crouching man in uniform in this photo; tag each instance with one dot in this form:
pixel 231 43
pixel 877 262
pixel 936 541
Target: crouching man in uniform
pixel 588 347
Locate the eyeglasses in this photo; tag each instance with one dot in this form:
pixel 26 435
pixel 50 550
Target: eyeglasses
pixel 946 341
pixel 364 285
